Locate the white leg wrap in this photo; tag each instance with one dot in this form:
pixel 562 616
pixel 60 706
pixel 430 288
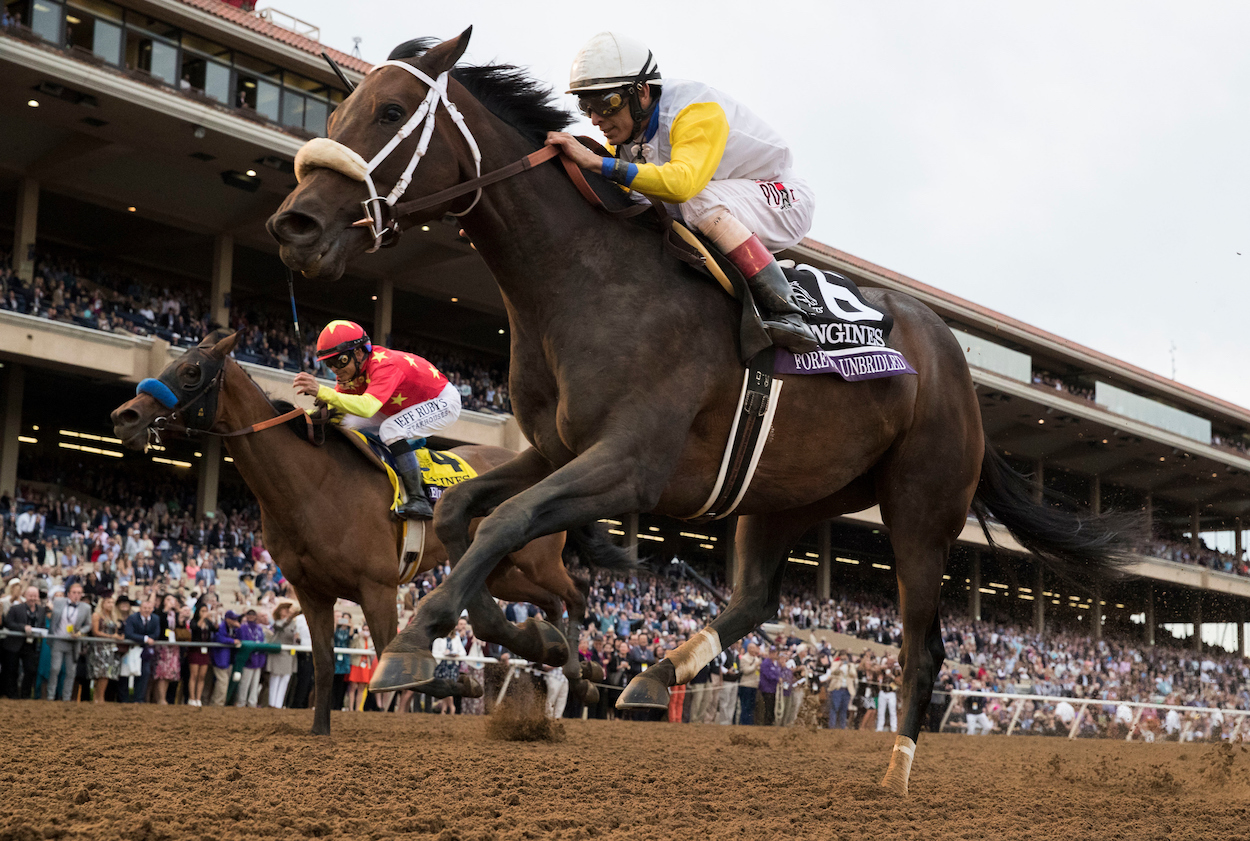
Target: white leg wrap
pixel 724 230
pixel 695 653
pixel 899 772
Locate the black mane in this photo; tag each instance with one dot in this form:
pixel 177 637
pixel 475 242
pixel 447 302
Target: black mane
pixel 505 90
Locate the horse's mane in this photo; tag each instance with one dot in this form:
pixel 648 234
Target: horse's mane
pixel 505 90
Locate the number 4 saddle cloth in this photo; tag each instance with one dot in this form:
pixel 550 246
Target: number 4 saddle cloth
pixel 440 469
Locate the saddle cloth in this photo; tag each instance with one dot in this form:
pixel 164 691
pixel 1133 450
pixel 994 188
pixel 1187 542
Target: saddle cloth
pixel 853 335
pixel 439 471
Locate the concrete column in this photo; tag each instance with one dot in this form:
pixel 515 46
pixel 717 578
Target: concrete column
pixel 1241 630
pixel 14 383
pixel 223 274
pixel 24 230
pixel 209 477
pixel 1097 606
pixel 383 307
pixel 1039 601
pixel 630 528
pixel 974 590
pixel 1195 526
pixel 1095 494
pixel 1039 476
pixel 1237 547
pixel 731 547
pixel 1150 515
pixel 1196 641
pixel 824 537
pixel 1150 615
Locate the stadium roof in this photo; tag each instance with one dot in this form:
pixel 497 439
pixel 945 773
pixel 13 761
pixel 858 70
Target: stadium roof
pixel 270 30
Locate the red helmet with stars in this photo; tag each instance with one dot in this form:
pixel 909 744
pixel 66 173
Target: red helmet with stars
pixel 341 337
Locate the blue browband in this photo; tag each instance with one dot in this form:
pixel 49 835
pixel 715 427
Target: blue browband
pixel 158 391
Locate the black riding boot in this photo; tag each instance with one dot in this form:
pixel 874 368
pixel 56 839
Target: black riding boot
pixel 782 317
pixel 417 506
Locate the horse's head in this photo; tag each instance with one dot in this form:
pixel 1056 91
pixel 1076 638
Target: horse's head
pixel 349 181
pixel 186 389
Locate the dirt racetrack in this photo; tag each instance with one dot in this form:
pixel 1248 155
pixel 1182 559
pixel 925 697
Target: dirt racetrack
pixel 76 771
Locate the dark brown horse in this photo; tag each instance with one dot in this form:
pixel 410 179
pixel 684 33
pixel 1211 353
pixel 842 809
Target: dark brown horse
pixel 325 515
pixel 624 376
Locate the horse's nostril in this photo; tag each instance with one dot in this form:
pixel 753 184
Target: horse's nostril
pixel 294 228
pixel 125 417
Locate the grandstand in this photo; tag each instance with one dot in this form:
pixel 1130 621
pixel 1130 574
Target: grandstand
pixel 144 144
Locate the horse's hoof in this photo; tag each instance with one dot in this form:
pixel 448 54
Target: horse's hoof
pixel 587 692
pixel 643 693
pixel 592 671
pixel 402 670
pixel 470 687
pixel 555 646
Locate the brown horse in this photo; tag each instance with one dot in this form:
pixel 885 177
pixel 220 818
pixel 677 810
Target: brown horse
pixel 326 520
pixel 624 376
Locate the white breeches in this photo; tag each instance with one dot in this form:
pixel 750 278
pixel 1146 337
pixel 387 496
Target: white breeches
pixel 419 421
pixel 778 212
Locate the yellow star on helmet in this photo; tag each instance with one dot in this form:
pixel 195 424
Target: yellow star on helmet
pixel 378 355
pixel 399 399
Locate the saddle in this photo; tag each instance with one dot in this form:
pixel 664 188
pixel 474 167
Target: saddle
pixel 439 471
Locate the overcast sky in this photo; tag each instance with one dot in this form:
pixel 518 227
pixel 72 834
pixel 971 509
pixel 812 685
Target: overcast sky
pixel 1084 167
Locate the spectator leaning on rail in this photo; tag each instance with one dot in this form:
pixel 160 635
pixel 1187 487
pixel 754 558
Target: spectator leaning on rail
pixel 719 166
pixel 397 394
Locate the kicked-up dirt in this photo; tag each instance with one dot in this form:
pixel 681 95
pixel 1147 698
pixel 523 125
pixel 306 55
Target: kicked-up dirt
pixel 77 771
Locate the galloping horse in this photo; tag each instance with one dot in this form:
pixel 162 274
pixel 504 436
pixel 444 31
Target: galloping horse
pixel 625 372
pixel 326 520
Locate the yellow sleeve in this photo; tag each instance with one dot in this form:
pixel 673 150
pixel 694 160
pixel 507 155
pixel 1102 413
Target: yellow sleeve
pixel 364 405
pixel 698 136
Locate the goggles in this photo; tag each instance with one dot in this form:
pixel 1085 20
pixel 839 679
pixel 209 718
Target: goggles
pixel 336 363
pixel 603 103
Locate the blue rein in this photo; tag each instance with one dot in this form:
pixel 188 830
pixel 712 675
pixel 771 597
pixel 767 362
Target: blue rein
pixel 158 391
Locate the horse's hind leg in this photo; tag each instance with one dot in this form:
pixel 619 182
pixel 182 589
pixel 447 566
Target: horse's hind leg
pixel 925 491
pixel 763 542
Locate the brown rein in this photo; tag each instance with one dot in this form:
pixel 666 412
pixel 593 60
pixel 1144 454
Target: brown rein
pixel 321 419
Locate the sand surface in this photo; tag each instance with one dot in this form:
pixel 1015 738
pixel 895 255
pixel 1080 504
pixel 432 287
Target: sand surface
pixel 117 772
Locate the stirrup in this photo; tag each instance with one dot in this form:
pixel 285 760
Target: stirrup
pixel 789 331
pixel 417 507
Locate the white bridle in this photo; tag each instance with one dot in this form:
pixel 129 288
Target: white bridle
pixel 330 154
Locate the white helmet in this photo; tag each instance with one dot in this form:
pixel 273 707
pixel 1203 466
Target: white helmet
pixel 609 60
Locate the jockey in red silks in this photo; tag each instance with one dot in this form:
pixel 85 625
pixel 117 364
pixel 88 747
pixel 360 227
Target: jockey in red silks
pixel 395 394
pixel 715 164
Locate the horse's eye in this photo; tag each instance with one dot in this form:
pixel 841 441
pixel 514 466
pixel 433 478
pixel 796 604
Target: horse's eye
pixel 191 374
pixel 392 114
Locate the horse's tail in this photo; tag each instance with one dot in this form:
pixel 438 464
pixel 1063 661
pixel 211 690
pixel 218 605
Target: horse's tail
pixel 1076 546
pixel 590 543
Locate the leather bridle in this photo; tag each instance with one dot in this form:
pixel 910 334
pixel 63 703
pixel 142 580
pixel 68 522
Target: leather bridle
pixel 384 215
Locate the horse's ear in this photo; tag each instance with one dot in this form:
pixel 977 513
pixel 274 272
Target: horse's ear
pixel 442 58
pixel 222 349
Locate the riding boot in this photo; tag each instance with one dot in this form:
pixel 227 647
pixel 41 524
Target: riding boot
pixel 783 318
pixel 417 507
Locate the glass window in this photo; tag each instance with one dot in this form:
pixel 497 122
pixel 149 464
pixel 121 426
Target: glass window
pixel 45 20
pixel 217 81
pixel 315 113
pixel 158 58
pixel 255 65
pixel 108 42
pixel 79 30
pixel 292 109
pixel 99 8
pixel 294 80
pixel 267 95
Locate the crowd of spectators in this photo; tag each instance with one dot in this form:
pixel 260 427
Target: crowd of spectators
pixel 1049 380
pixel 1183 552
pixel 115 301
pixel 149 557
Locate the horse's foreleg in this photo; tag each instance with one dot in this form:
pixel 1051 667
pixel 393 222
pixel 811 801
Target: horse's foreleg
pixel 462 503
pixel 762 544
pixel 592 486
pixel 320 615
